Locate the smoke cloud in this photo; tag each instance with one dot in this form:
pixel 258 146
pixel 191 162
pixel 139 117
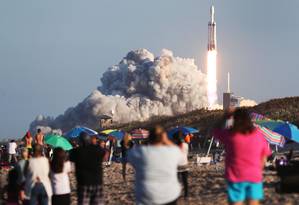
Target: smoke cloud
pixel 247 103
pixel 139 87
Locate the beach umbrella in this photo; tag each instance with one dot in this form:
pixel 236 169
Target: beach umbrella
pixel 117 134
pixel 140 134
pixel 184 130
pixel 106 132
pixel 58 141
pixel 75 132
pixel 285 129
pixel 272 137
pixel 257 117
pixel 288 130
pixel 270 124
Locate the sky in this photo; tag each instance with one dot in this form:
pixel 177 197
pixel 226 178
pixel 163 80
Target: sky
pixel 53 53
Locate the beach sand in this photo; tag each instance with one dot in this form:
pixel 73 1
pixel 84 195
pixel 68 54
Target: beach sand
pixel 206 184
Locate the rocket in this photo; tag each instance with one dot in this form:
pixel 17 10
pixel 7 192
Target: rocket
pixel 212 61
pixel 212 31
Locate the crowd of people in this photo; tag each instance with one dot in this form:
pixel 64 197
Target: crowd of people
pixel 38 179
pixel 161 166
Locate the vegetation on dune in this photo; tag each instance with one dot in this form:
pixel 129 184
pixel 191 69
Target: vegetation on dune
pixel 286 109
pixel 201 119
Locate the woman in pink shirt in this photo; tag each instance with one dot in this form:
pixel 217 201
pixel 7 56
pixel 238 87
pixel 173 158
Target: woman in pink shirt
pixel 246 151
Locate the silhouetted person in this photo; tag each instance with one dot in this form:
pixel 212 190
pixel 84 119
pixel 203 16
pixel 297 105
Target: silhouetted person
pixel 290 155
pixel 12 189
pixel 126 145
pixel 89 174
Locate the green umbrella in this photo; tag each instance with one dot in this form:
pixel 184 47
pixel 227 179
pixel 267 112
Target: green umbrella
pixel 58 141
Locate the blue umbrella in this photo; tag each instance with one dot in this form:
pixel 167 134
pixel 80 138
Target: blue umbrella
pixel 75 132
pixel 184 130
pixel 118 134
pixel 288 130
pixel 270 124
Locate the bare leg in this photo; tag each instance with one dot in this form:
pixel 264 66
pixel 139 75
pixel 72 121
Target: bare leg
pixel 253 202
pixel 110 156
pixel 124 171
pixel 15 158
pixel 9 158
pixel 185 182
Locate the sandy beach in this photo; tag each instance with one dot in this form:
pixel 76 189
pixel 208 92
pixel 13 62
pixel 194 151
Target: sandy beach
pixel 206 183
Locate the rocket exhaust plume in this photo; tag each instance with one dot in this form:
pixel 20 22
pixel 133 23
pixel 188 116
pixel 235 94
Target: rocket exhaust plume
pixel 211 74
pixel 139 87
pixel 212 61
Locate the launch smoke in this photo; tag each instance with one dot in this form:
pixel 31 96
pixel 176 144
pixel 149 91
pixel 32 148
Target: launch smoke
pixel 139 87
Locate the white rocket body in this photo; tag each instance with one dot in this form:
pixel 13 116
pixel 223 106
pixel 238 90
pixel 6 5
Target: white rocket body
pixel 212 31
pixel 212 61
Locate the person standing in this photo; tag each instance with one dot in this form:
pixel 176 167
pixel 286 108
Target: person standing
pixel 102 145
pixel 155 165
pixel 39 137
pixel 38 186
pixel 28 142
pixel 94 140
pixel 60 169
pixel 89 173
pixel 183 168
pixel 126 144
pixel 12 151
pixel 111 142
pixel 12 188
pixel 21 168
pixel 187 139
pixel 246 153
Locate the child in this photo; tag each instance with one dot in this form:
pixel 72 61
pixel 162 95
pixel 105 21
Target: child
pixel 246 152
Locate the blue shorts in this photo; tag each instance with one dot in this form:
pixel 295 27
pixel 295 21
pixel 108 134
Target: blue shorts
pixel 241 191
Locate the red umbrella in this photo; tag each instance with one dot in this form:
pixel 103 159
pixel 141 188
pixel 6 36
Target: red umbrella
pixel 139 134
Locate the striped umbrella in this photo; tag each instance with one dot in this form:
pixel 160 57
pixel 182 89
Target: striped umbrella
pixel 272 137
pixel 285 129
pixel 257 117
pixel 140 134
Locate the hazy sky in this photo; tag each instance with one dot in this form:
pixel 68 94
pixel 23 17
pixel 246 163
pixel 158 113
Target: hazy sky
pixel 52 53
